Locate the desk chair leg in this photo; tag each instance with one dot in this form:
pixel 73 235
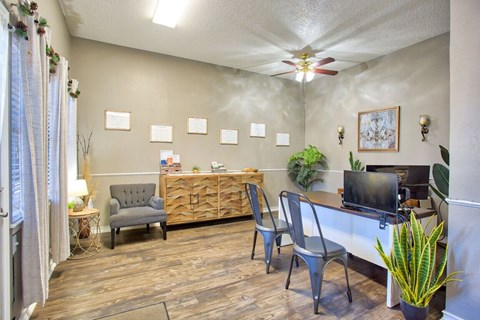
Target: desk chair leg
pixel 268 238
pixel 315 269
pixel 118 230
pixel 148 228
pixel 345 265
pixel 254 243
pixel 287 284
pixel 112 238
pixel 278 240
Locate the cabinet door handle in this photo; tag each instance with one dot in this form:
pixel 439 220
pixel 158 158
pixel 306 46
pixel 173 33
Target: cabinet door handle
pixel 3 214
pixel 198 199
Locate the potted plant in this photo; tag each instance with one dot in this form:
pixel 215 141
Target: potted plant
pixel 412 264
pixel 302 166
pixel 195 169
pixel 70 207
pixel 441 175
pixel 355 165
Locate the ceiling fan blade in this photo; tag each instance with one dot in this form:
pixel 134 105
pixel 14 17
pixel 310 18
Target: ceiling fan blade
pixel 279 74
pixel 323 61
pixel 325 71
pixel 290 63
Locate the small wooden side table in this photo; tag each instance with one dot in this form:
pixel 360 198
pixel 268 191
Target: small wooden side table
pixel 85 232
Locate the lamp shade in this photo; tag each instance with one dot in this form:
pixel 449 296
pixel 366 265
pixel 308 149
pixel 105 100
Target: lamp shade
pixel 77 188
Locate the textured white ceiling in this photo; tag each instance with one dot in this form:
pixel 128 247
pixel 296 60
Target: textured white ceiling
pixel 255 35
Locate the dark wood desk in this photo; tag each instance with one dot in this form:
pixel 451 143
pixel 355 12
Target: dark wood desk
pixel 355 230
pixel 334 201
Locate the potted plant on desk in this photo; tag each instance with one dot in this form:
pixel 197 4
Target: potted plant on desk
pixel 412 264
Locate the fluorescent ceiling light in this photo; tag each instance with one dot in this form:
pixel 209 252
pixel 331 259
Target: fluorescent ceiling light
pixel 168 12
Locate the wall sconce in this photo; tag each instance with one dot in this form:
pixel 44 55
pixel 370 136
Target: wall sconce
pixel 341 131
pixel 424 122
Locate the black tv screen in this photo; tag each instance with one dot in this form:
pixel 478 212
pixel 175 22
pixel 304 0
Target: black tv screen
pixel 413 177
pixel 371 191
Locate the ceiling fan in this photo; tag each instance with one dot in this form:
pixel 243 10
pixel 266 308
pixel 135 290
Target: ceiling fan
pixel 306 69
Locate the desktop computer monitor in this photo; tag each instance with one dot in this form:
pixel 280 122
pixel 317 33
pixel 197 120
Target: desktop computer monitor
pixel 413 177
pixel 370 191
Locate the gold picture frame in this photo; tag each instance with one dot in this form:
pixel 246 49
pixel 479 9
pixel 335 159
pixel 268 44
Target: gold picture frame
pixel 378 130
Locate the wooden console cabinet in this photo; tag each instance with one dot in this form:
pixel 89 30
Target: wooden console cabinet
pixel 199 197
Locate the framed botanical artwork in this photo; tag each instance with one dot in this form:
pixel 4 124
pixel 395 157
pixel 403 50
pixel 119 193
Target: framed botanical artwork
pixel 257 130
pixel 115 120
pixel 378 129
pixel 283 139
pixel 228 136
pixel 197 125
pixel 159 133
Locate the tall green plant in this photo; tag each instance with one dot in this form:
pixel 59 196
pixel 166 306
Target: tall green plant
pixel 412 262
pixel 441 175
pixel 355 165
pixel 302 166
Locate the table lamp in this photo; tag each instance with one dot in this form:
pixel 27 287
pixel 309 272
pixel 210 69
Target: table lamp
pixel 77 189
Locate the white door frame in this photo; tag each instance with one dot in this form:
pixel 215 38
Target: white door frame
pixel 5 256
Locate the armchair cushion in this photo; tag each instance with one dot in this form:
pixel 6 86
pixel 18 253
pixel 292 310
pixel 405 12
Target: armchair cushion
pixel 137 215
pixel 133 195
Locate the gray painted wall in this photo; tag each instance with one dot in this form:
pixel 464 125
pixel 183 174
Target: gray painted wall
pixel 415 78
pixel 165 90
pixel 463 298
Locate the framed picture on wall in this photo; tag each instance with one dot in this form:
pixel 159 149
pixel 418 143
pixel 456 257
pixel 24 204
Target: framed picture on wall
pixel 160 133
pixel 378 129
pixel 257 130
pixel 197 125
pixel 228 136
pixel 283 139
pixel 116 120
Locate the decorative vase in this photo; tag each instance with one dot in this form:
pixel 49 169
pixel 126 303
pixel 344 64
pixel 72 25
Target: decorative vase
pixel 412 312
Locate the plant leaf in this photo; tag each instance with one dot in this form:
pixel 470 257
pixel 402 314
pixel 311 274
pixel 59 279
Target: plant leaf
pixel 437 192
pixel 441 176
pixel 445 155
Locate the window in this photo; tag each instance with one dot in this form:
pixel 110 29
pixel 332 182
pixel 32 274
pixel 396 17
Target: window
pixel 16 118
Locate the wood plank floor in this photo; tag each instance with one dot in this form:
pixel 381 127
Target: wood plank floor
pixel 206 273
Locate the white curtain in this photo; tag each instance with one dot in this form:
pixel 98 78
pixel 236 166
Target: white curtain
pixel 35 253
pixel 57 162
pixel 72 166
pixel 3 61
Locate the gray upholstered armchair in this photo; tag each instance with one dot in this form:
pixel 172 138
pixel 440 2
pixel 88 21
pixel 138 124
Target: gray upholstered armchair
pixel 135 204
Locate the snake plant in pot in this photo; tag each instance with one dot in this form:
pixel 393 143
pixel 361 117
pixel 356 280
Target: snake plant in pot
pixel 412 264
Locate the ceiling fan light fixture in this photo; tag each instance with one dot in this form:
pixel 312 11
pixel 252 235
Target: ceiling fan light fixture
pixel 168 12
pixel 309 76
pixel 299 76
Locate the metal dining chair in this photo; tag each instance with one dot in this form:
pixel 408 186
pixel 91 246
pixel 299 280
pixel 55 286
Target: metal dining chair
pixel 316 251
pixel 270 228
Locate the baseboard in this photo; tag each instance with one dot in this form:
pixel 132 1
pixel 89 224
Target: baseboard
pixel 448 316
